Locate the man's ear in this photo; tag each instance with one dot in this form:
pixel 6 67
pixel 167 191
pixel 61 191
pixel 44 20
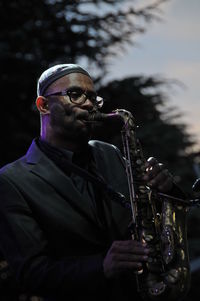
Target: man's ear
pixel 42 105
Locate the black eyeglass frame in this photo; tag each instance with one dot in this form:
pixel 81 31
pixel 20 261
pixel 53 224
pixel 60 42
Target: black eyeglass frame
pixel 98 102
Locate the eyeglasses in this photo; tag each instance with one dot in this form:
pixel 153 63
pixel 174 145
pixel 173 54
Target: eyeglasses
pixel 79 96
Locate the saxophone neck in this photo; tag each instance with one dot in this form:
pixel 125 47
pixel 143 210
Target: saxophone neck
pixel 96 116
pixel 118 114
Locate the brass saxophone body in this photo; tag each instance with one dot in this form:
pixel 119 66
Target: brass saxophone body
pixel 156 220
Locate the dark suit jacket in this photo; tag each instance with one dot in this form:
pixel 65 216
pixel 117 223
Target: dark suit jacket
pixel 50 234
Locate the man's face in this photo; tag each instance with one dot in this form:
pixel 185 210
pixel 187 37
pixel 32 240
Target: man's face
pixel 67 119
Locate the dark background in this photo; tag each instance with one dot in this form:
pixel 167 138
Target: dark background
pixel 38 34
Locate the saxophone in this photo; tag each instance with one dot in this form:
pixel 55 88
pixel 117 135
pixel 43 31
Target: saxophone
pixel 157 220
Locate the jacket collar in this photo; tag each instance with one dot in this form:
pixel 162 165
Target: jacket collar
pixel 41 166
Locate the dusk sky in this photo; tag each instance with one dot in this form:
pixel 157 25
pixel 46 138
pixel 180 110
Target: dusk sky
pixel 170 49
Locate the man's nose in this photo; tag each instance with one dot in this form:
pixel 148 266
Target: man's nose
pixel 88 104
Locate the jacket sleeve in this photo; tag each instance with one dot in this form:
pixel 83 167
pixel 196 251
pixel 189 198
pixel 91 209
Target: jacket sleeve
pixel 26 249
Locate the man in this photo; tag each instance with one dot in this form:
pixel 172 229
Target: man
pixel 62 234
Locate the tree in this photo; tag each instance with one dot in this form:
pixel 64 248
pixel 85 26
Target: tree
pixel 36 34
pixel 160 133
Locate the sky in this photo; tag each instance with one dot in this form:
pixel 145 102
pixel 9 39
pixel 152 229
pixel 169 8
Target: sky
pixel 170 48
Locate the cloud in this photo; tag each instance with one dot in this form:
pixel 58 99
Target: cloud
pixel 170 48
pixel 187 72
pixel 188 99
pixel 180 21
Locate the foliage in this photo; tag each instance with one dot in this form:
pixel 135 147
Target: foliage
pixel 161 134
pixel 37 34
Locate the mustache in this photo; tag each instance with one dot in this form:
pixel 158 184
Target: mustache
pixel 60 111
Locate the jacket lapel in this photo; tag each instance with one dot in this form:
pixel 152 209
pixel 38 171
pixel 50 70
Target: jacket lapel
pixel 116 178
pixel 44 168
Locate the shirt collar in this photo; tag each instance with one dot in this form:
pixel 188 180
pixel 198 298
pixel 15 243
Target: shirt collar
pixel 82 157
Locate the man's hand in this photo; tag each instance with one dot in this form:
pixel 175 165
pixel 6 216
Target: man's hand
pixel 123 256
pixel 157 176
